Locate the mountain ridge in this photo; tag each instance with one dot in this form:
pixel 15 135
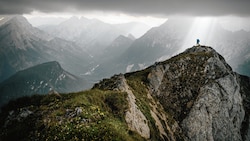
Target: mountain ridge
pixel 192 96
pixel 23 46
pixel 171 38
pixel 40 79
pixel 92 34
pixel 182 95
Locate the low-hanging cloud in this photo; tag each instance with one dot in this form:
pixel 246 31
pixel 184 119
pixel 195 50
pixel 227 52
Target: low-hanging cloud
pixel 139 7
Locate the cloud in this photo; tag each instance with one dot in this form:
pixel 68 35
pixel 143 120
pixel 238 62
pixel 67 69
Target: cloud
pixel 137 7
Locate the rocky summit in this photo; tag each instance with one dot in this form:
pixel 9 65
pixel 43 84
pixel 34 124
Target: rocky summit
pixel 192 96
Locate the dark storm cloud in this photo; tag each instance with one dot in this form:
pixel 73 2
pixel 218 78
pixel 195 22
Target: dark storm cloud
pixel 140 7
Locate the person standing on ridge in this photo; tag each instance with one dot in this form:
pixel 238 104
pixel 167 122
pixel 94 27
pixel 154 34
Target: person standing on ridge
pixel 198 42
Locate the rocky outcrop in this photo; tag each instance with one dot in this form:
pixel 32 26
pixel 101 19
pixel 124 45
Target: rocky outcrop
pixel 202 92
pixel 244 90
pixel 135 119
pixel 198 92
pixel 218 112
pixel 161 120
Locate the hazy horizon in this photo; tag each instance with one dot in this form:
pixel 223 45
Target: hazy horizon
pixel 234 14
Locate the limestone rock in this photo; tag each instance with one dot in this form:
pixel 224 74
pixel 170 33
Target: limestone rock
pixel 134 117
pixel 203 93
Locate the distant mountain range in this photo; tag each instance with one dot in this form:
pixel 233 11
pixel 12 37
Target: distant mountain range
pixel 23 46
pixel 40 79
pixel 93 34
pixel 95 50
pixel 89 44
pixel 162 42
pixel 108 62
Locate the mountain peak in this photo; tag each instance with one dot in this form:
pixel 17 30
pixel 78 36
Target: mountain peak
pixel 19 28
pixel 202 58
pixel 192 87
pixel 121 38
pixel 120 43
pixel 53 65
pixel 19 17
pixel 74 18
pixel 130 36
pixel 20 21
pixel 199 48
pixel 202 50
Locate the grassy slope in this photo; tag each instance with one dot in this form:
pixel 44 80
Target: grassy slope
pixel 102 117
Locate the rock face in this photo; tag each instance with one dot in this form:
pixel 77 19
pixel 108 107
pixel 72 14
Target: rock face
pixel 218 113
pixel 202 92
pixel 134 117
pixel 244 90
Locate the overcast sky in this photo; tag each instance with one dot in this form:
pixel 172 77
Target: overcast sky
pixel 131 7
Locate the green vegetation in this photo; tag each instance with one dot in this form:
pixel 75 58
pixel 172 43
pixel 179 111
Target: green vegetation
pixel 88 115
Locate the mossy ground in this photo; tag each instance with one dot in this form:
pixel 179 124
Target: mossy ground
pixel 54 117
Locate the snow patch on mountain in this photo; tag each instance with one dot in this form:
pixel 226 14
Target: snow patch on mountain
pixel 90 72
pixel 162 58
pixel 129 67
pixel 142 66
